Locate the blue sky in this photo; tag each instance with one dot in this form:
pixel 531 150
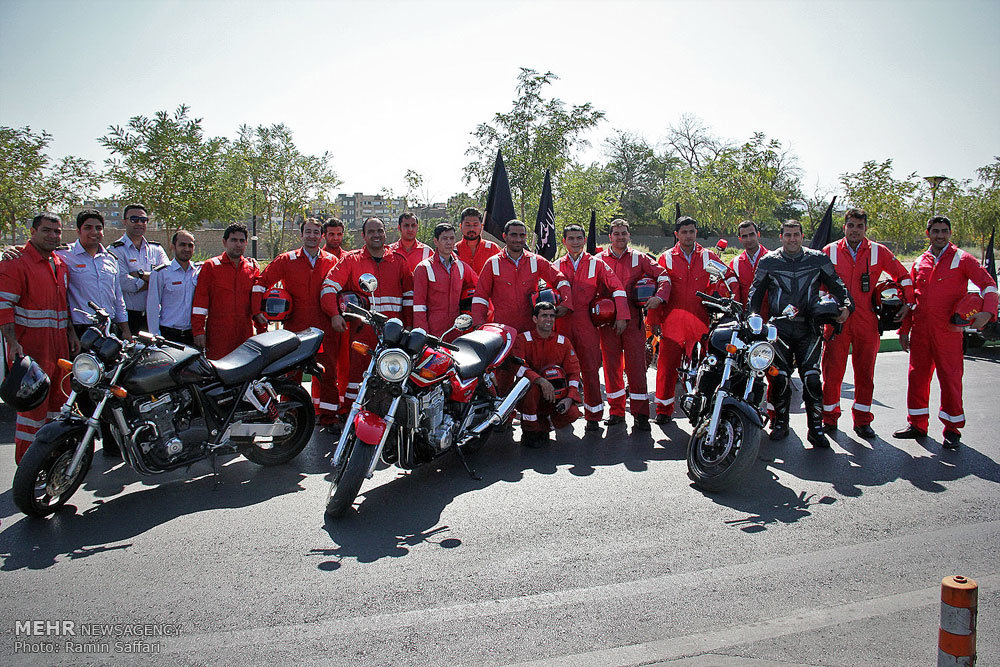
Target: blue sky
pixel 391 86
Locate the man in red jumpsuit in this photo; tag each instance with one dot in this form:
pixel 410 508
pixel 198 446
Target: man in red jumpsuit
pixel 34 319
pixel 684 320
pixel 589 278
pixel 301 272
pixel 224 296
pixel 438 284
pixel 473 249
pixel 333 235
pixel 509 279
pixel 940 280
pixel 408 246
pixel 629 266
pixel 744 266
pixel 392 298
pixel 859 263
pixel 539 349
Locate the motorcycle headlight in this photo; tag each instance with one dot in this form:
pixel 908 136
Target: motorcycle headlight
pixel 393 365
pixel 87 370
pixel 760 355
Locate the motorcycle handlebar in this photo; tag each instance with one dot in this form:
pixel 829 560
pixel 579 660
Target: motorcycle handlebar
pixel 709 297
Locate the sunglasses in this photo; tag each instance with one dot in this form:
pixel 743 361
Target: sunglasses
pixel 137 218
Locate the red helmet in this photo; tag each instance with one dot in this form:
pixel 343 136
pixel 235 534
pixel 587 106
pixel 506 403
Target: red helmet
pixel 277 304
pixel 557 378
pixel 643 290
pixel 465 303
pixel 352 297
pixel 602 312
pixel 721 245
pixel 967 308
pixel 545 293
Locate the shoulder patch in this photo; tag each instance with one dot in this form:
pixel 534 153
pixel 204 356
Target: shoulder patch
pixel 154 243
pixel 160 267
pixel 118 244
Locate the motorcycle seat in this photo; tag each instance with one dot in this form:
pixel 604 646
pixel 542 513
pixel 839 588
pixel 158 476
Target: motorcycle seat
pixel 249 359
pixel 475 352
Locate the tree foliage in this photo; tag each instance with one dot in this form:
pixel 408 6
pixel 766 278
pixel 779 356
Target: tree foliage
pixel 886 199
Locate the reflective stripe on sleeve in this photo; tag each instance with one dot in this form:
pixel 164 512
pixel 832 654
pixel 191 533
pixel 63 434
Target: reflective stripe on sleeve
pixel 616 394
pixel 199 311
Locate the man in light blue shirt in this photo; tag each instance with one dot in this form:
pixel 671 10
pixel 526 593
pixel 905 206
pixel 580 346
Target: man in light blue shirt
pixel 93 274
pixel 171 291
pixel 137 257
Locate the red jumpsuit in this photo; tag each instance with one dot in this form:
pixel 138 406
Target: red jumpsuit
pixel 537 414
pixel 860 336
pixel 510 286
pixel 589 280
pixel 935 343
pixel 744 267
pixel 484 250
pixel 437 292
pixel 33 299
pixel 417 253
pixel 227 296
pixel 631 345
pixel 684 320
pixel 344 349
pixel 393 298
pixel 303 281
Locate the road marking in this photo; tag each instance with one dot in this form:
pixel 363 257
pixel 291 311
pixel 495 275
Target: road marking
pixel 803 620
pixel 538 601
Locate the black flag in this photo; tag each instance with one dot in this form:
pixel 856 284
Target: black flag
pixel 499 203
pixel 592 233
pixel 821 237
pixel 545 223
pixel 988 261
pixel 677 211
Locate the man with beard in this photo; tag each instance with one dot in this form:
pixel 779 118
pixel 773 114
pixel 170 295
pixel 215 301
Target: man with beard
pixel 333 234
pixel 473 249
pixel 408 246
pixel 171 292
pixel 744 265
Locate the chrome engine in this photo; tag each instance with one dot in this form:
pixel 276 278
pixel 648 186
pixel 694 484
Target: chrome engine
pixel 435 425
pixel 160 419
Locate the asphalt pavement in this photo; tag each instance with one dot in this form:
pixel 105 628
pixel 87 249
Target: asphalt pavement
pixel 594 551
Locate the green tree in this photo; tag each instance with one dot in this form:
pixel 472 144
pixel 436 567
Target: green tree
pixel 639 176
pixel 581 189
pixel 887 200
pixel 166 163
pixel 538 133
pixel 29 182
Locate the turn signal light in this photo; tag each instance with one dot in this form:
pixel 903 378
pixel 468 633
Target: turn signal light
pixel 731 349
pixel 426 374
pixel 65 364
pixel 118 392
pixel 772 371
pixel 361 348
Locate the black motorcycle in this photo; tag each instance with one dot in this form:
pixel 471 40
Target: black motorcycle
pixel 724 389
pixel 167 406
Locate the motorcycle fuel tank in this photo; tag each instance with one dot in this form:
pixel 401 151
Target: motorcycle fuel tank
pixel 151 373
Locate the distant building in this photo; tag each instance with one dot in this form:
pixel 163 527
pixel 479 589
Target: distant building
pixel 354 209
pixel 111 209
pixel 437 211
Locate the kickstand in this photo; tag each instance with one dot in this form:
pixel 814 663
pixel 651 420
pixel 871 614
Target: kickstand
pixel 215 468
pixel 461 457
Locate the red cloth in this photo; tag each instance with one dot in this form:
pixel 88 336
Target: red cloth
pixel 538 353
pixel 509 287
pixel 417 253
pixel 484 250
pixel 437 292
pixel 33 299
pixel 337 252
pixel 935 343
pixel 303 281
pixel 744 268
pixel 684 320
pixel 224 297
pixel 591 279
pixel 629 349
pixel 859 337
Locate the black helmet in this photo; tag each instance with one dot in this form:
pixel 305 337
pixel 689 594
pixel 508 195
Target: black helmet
pixel 25 386
pixel 825 310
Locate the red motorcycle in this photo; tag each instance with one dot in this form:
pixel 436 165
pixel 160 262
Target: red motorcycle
pixel 420 398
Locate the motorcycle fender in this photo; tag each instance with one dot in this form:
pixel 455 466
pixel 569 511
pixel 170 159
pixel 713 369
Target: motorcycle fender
pixel 743 407
pixel 369 427
pixel 54 430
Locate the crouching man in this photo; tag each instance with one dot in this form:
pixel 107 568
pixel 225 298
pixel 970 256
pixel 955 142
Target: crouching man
pixel 554 370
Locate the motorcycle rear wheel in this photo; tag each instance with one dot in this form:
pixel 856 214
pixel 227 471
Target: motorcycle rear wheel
pixel 349 477
pixel 718 465
pixel 297 410
pixel 40 484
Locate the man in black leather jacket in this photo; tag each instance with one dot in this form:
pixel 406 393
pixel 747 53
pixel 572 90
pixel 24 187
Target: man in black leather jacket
pixel 792 276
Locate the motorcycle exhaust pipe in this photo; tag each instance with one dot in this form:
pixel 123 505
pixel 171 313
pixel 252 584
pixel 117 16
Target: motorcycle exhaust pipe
pixel 505 407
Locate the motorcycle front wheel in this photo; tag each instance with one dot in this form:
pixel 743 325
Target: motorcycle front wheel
pixel 716 465
pixel 349 476
pixel 295 409
pixel 40 483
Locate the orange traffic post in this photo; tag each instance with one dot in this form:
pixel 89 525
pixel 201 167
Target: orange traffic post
pixel 957 636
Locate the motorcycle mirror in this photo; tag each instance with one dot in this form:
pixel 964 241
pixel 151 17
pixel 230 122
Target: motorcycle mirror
pixel 721 245
pixel 368 283
pixel 717 269
pixel 756 323
pixel 463 322
pixel 790 311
